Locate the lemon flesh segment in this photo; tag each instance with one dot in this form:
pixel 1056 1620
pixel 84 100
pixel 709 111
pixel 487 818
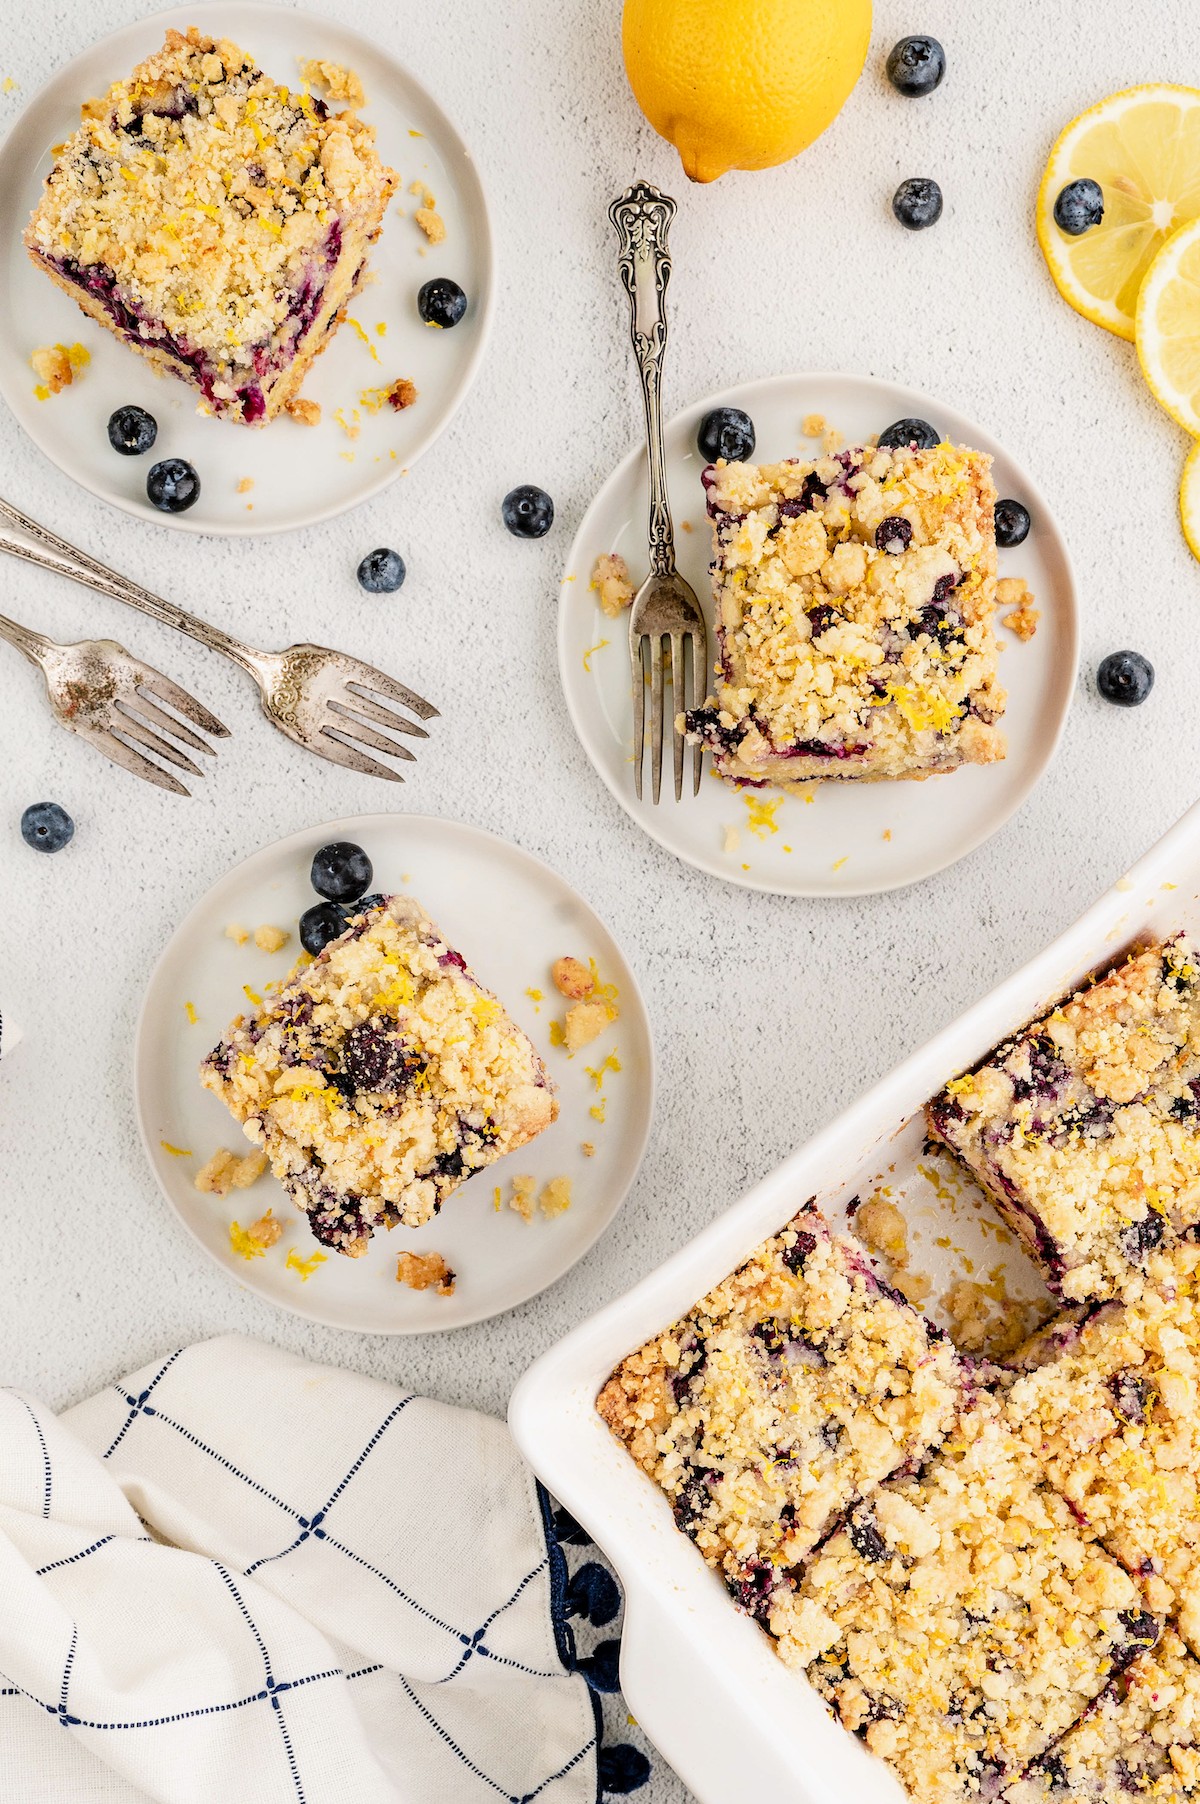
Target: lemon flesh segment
pixel 1168 326
pixel 738 85
pixel 1189 501
pixel 1143 147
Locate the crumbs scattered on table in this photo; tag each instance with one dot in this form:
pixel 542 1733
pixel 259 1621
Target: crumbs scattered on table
pixel 304 1267
pixel 189 1009
pixel 176 1152
pixel 610 580
pixel 239 935
pixel 225 1172
pixel 245 485
pixel 814 425
pixel 425 1271
pixel 1014 592
pixel 731 839
pixel 57 366
pixel 270 939
pixel 307 412
pixel 252 1242
pixel 338 83
pixel 587 1149
pixel 587 656
pixel 761 816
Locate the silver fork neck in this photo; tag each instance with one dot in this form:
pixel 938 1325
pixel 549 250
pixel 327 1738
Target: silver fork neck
pixel 642 217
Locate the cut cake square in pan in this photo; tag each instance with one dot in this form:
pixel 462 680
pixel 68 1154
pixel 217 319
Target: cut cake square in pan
pixel 961 1620
pixel 1084 1128
pixel 380 1076
pixel 1140 1740
pixel 799 1383
pixel 1109 1403
pixel 213 220
pixel 855 598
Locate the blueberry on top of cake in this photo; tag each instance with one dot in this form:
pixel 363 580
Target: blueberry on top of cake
pixel 213 220
pixel 380 1076
pixel 855 599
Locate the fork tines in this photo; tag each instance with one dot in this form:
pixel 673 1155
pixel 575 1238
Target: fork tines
pixel 138 725
pixel 687 689
pixel 357 712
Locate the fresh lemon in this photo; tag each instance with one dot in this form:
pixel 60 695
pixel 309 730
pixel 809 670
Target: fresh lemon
pixel 742 84
pixel 1189 500
pixel 1143 147
pixel 1168 326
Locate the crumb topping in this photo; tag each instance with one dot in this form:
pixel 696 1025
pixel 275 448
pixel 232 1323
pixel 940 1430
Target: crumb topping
pixel 56 367
pixel 225 1171
pixel 855 601
pixel 307 412
pixel 338 83
pixel 425 1271
pixel 1014 593
pixel 270 939
pixel 379 1076
pixel 610 580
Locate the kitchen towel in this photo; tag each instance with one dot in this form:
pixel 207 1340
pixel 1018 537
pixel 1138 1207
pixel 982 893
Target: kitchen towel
pixel 238 1578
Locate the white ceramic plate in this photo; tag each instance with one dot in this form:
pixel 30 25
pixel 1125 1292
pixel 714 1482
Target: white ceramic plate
pixel 835 845
pixel 511 916
pixel 300 474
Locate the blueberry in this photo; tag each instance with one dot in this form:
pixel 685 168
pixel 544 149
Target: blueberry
pixel 1079 207
pixel 1125 677
pixel 131 431
pixel 46 827
pixel 441 302
pixel 916 65
pixel 528 512
pixel 382 572
pixel 341 872
pixel 1012 524
pixel 893 534
pixel 173 485
pixel 910 432
pixel 726 432
pixel 864 1534
pixel 319 925
pixel 361 904
pixel 917 203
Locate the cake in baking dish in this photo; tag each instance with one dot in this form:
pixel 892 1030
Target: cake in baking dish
pixel 380 1076
pixel 855 598
pixel 213 220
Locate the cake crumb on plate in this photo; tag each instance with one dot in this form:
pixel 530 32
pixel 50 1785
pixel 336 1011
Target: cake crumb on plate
pixel 1014 592
pixel 225 1172
pixel 270 939
pixel 307 412
pixel 338 83
pixel 425 1271
pixel 610 580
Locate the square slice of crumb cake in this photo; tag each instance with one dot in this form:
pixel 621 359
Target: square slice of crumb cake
pixel 855 598
pixel 799 1383
pixel 1085 1127
pixel 379 1076
pixel 214 221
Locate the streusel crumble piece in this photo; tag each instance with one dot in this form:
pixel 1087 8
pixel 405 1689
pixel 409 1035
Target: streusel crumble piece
pixel 213 220
pixel 1085 1128
pixel 961 1620
pixel 855 600
pixel 1139 1740
pixel 798 1384
pixel 1109 1403
pixel 379 1076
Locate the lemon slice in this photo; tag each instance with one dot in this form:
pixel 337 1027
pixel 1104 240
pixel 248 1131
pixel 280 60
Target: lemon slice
pixel 1168 326
pixel 1143 147
pixel 1189 500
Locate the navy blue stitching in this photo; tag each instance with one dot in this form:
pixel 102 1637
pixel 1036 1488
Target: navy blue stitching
pixel 562 1771
pixel 66 1678
pixel 363 1672
pixel 312 1525
pixel 475 1646
pixel 203 1447
pixel 47 1475
pixel 272 1688
pixel 451 1743
pixel 70 1558
pixel 135 1405
pixel 393 1586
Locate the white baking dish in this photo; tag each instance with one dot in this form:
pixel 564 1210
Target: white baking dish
pixel 701 1679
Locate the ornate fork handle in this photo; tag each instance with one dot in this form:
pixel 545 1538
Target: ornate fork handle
pixel 53 553
pixel 642 217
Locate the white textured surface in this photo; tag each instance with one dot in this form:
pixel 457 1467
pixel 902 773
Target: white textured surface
pixel 768 1014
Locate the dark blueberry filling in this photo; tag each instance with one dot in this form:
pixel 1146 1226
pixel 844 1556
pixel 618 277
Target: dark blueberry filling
pixel 1131 1396
pixel 753 1588
pixel 1173 973
pixel 864 1534
pixel 1091 1119
pixel 1141 1237
pixel 695 1499
pixel 794 1256
pixel 376 1061
pixel 820 748
pixel 894 535
pixel 1141 1631
pixel 1185 1108
pixel 335 1219
pixel 707 722
pixel 812 490
pixel 452 958
pixel 831 1435
pixel 1047 1073
pixel 821 618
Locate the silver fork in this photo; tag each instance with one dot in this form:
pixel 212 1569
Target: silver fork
pixel 665 607
pixel 326 701
pixel 98 690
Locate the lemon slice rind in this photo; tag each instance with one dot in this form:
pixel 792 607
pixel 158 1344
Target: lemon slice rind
pixel 1168 327
pixel 1189 500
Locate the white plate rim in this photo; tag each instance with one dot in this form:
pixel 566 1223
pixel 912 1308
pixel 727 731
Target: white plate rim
pixel 583 719
pixel 357 827
pixel 454 144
